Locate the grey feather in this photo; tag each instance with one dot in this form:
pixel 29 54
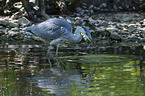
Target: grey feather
pixel 50 29
pixel 57 31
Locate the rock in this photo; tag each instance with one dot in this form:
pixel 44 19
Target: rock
pixel 1 27
pixel 112 29
pixel 115 36
pixel 141 22
pixel 8 23
pixel 91 6
pixel 78 9
pixel 92 21
pixel 133 36
pixel 143 25
pixel 23 21
pixel 132 25
pixel 12 33
pixel 96 8
pixel 91 11
pixel 103 5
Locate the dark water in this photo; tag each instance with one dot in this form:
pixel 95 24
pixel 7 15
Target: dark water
pixel 24 71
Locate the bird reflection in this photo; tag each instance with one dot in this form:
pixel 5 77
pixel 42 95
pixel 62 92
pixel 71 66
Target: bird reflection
pixel 56 80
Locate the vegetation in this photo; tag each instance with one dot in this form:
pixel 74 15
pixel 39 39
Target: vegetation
pixel 44 8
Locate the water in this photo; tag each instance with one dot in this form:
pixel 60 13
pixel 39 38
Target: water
pixel 24 71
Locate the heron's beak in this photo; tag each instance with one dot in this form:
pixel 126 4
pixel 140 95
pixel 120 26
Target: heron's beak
pixel 90 39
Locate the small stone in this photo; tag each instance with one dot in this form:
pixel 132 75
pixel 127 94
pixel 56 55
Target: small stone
pixel 103 4
pixel 91 6
pixel 96 8
pixel 23 21
pixel 91 11
pixel 115 36
pixel 143 25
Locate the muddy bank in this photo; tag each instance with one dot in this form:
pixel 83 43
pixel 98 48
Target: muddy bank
pixel 127 28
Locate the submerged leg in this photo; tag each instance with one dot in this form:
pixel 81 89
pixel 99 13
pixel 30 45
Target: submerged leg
pixel 48 55
pixel 90 77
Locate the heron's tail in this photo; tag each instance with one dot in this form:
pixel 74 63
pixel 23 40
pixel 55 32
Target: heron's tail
pixel 28 29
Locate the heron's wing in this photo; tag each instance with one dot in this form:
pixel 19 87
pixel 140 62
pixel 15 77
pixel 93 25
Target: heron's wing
pixel 49 30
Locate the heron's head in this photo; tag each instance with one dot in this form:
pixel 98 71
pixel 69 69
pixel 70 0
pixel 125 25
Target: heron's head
pixel 86 33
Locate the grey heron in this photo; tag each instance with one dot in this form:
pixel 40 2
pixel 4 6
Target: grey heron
pixel 57 31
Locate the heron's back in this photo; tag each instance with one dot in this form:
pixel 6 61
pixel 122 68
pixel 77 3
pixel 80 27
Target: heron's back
pixel 51 29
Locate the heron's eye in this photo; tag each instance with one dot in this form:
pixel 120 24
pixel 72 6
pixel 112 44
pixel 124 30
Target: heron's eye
pixel 82 34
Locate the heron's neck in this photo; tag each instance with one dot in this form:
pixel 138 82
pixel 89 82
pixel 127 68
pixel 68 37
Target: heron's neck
pixel 75 38
pixel 78 36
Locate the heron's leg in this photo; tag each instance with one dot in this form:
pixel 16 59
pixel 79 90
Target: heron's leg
pixel 48 51
pixel 48 55
pixel 57 54
pixel 57 51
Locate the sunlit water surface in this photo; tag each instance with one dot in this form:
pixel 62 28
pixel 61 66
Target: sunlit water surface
pixel 24 71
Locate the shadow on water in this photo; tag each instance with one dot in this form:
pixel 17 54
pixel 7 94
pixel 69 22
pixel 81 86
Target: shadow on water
pixel 104 71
